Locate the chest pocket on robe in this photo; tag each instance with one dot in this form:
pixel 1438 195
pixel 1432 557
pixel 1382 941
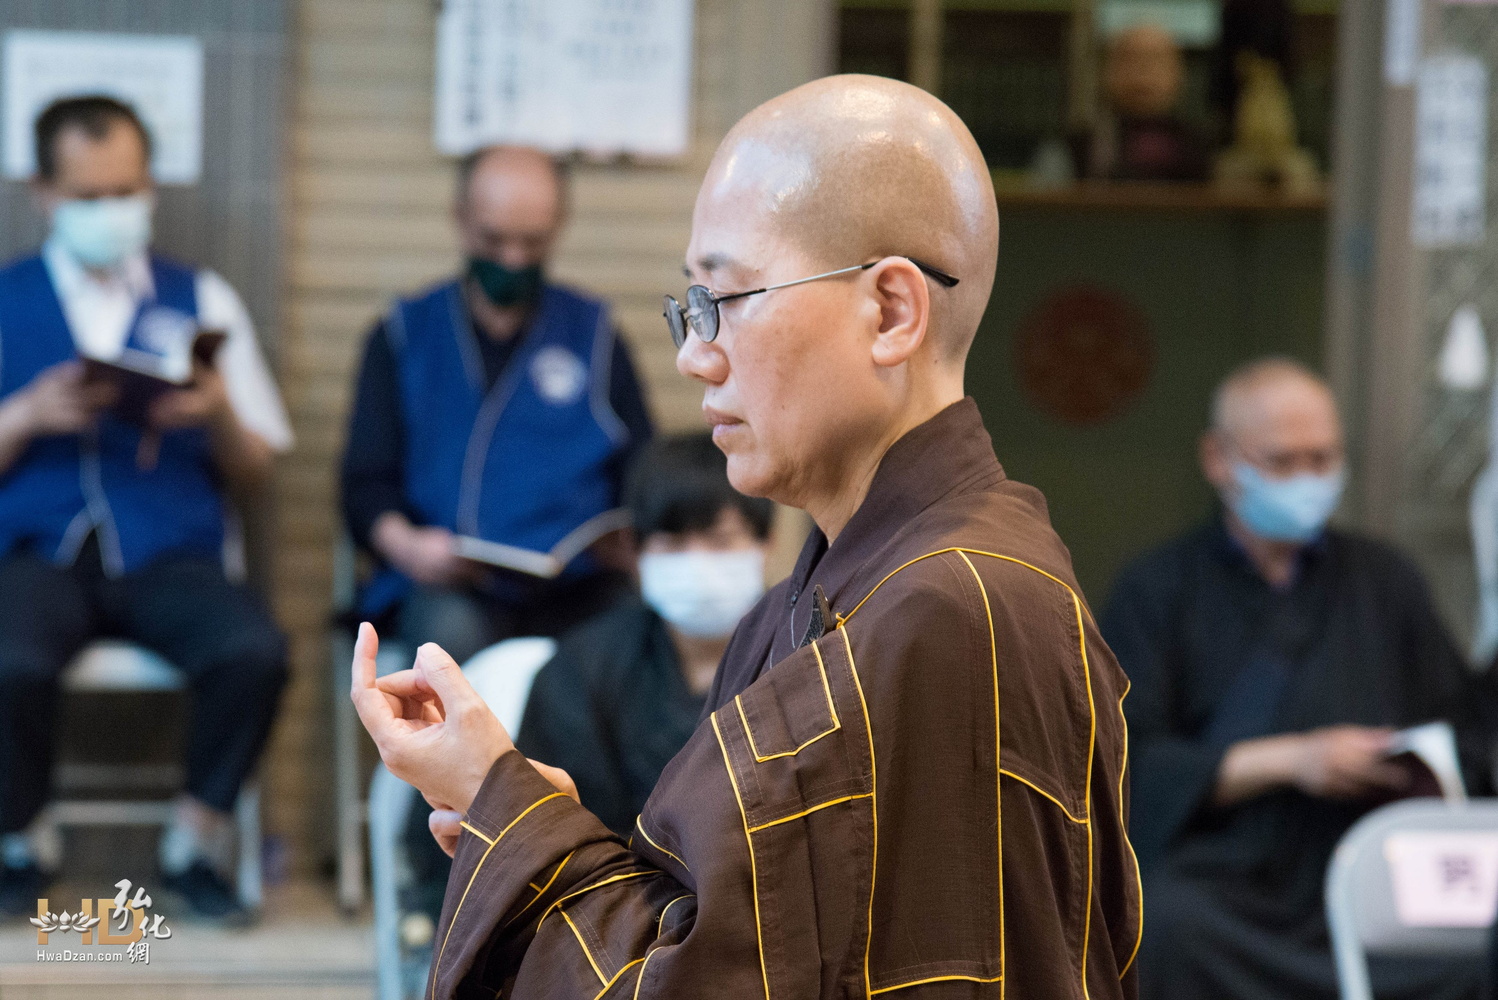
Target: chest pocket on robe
pixel 796 744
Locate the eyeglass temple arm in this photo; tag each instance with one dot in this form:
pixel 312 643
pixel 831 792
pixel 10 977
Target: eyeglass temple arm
pixel 942 278
pixel 798 281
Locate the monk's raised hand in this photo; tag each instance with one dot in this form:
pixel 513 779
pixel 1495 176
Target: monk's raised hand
pixel 432 729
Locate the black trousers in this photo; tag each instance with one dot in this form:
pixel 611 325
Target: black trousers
pixel 216 632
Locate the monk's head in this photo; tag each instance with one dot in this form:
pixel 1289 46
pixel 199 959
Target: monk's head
pixel 1274 452
pixel 807 385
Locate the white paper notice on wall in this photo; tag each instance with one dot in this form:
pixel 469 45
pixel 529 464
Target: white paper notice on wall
pixel 160 76
pixel 1401 41
pixel 598 76
pixel 1451 142
pixel 1444 879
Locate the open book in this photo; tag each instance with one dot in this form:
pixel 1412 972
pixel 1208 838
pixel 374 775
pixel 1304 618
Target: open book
pixel 157 355
pixel 546 565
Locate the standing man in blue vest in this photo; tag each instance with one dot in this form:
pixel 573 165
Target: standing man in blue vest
pixel 116 526
pixel 495 406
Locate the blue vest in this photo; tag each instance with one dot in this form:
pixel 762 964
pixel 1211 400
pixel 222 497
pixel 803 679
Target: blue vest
pixel 525 461
pixel 62 487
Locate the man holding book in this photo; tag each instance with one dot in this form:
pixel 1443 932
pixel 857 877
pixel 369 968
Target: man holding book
pixel 493 418
pixel 113 487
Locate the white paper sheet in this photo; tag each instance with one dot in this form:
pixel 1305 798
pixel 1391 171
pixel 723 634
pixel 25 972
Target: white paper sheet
pixel 592 75
pixel 1401 41
pixel 1434 743
pixel 1444 879
pixel 1451 143
pixel 161 76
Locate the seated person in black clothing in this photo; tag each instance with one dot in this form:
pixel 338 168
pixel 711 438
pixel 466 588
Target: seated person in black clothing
pixel 496 405
pixel 626 689
pixel 1272 659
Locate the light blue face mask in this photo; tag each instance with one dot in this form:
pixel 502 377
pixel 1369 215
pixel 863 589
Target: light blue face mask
pixel 101 232
pixel 1285 510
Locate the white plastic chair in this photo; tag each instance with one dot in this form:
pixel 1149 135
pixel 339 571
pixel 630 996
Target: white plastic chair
pixel 112 665
pixel 502 675
pixel 1361 907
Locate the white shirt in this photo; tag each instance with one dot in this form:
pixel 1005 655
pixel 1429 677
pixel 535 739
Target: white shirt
pixel 99 310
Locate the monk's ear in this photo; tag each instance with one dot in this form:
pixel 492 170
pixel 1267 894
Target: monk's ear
pixel 904 310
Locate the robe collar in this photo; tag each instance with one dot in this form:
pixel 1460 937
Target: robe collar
pixel 947 455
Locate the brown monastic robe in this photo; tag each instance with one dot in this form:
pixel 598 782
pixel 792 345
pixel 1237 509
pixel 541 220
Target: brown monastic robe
pixel 911 782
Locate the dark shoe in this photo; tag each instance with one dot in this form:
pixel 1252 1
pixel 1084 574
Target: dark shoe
pixel 19 890
pixel 206 895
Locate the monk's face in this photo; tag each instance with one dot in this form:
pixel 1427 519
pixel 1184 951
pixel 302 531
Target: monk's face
pixel 789 387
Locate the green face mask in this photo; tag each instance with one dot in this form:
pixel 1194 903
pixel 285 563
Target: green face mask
pixel 505 286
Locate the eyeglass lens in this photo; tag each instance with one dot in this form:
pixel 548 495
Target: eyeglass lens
pixel 675 321
pixel 702 313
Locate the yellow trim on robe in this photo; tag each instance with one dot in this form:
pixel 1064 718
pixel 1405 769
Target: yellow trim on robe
pixel 437 965
pixel 748 840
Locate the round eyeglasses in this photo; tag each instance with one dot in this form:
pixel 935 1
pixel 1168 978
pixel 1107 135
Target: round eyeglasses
pixel 700 314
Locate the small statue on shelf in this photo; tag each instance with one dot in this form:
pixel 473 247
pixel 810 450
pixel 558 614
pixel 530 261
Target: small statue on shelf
pixel 1140 136
pixel 1264 152
pixel 1254 62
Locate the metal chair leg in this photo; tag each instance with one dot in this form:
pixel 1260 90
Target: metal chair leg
pixel 247 820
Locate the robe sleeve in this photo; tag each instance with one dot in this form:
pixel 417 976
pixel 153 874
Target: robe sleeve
pixel 526 847
pixel 1171 774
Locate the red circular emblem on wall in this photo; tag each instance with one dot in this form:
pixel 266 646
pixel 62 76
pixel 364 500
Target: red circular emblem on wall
pixel 1084 355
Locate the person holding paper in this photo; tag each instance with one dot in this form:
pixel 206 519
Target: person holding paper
pixel 113 521
pixel 910 779
pixel 1273 659
pixel 493 419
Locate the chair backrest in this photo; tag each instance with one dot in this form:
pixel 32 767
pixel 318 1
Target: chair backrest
pixel 503 674
pixel 1417 877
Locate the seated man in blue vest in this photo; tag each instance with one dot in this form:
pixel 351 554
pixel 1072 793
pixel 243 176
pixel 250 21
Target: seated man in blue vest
pixel 112 523
pixel 495 407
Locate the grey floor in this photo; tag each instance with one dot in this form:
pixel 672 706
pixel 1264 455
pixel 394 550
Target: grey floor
pixel 302 949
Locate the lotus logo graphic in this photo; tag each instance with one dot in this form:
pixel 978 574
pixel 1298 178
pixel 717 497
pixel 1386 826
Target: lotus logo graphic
pixel 49 923
pixel 129 915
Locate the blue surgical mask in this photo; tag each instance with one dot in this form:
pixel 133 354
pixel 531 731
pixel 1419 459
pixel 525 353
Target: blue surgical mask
pixel 1285 510
pixel 99 233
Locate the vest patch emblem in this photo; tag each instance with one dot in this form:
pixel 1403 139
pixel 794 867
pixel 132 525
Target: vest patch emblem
pixel 559 375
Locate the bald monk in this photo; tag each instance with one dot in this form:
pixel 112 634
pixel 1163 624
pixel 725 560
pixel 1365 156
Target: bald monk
pixel 1272 659
pixel 910 778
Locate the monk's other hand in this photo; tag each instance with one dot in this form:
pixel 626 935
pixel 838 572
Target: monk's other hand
pixel 444 824
pixel 1347 762
pixel 560 779
pixel 432 729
